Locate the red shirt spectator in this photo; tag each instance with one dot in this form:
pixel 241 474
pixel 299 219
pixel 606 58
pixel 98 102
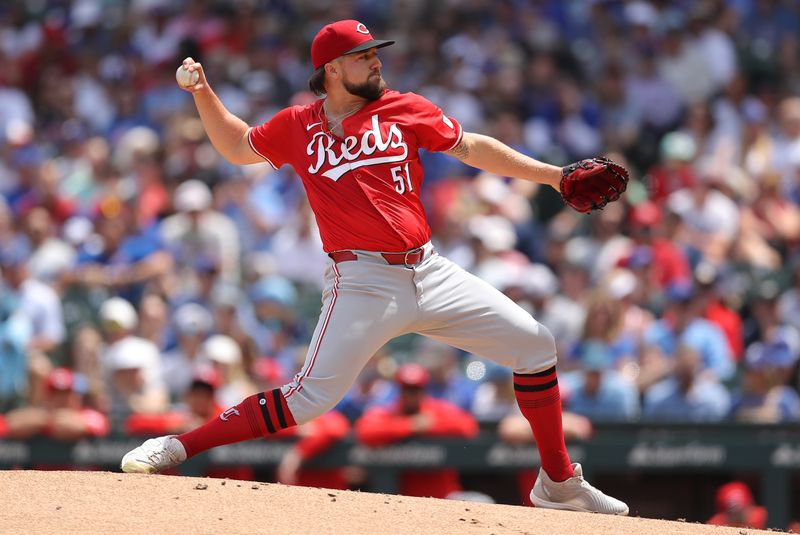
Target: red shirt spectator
pixel 416 414
pixel 62 415
pixel 736 508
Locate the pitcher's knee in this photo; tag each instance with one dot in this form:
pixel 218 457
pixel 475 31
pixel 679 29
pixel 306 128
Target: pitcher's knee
pixel 538 353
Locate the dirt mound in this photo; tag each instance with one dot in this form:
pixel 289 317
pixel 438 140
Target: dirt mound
pixel 104 502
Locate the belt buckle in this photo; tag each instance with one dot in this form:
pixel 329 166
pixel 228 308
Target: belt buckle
pixel 412 251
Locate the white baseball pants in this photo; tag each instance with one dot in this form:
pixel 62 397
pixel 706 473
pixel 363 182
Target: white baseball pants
pixel 367 302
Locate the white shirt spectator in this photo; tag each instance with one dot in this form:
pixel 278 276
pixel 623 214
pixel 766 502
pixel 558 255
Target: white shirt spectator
pixel 688 72
pixel 42 305
pixel 714 214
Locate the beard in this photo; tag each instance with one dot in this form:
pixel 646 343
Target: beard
pixel 372 89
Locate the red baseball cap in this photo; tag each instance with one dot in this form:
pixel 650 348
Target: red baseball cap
pixel 340 38
pixel 412 375
pixel 61 379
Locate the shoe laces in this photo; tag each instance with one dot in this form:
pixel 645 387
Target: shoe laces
pixel 159 453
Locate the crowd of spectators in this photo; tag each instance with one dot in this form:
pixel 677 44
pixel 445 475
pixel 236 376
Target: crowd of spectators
pixel 147 284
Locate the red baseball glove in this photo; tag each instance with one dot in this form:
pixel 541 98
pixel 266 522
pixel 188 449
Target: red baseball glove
pixel 591 184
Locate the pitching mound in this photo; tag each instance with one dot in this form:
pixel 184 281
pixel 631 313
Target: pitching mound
pixel 103 502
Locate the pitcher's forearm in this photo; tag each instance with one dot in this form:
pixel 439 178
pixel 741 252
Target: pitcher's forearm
pixel 489 154
pixel 226 131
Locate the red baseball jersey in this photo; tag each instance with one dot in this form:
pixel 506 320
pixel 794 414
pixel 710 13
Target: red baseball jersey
pixel 364 189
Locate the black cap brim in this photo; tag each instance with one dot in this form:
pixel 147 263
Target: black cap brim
pixel 374 43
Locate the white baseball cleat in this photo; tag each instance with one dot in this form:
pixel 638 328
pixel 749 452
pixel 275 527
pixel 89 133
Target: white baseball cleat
pixel 574 494
pixel 154 455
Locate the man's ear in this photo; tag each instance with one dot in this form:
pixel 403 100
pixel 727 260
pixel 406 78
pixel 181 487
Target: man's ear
pixel 332 70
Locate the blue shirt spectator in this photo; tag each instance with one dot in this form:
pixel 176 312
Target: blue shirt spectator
pixel 598 392
pixel 686 396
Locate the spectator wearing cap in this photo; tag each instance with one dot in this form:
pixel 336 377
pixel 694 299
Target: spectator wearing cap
pixel 37 300
pixel 62 415
pixel 193 323
pixel 198 283
pixel 273 323
pixel 674 170
pixel 596 390
pixel 415 414
pixel 764 396
pixel 197 405
pixel 225 356
pixel 197 229
pixel 683 325
pixel 132 365
pixel 622 287
pixel 686 395
pixel 668 263
pixel 494 398
pixel 736 507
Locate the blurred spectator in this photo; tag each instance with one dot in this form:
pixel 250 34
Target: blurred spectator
pixel 711 216
pixel 736 508
pixel 192 325
pixel 38 301
pixel 197 405
pixel 668 263
pixel 446 381
pixel 273 322
pixel 686 395
pixel 226 301
pixel 417 414
pixel 132 364
pixel 370 388
pixel 494 398
pixel 674 171
pixel 707 280
pixel 62 416
pixel 597 391
pixel 50 256
pixel 198 230
pixel 154 320
pixel 16 331
pixel 604 324
pixel 682 325
pixel 765 396
pixel 226 357
pixel 121 257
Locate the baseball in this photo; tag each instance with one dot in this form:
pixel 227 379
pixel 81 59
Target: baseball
pixel 186 78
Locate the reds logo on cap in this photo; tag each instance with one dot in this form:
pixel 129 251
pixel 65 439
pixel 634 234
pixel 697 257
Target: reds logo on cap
pixel 340 38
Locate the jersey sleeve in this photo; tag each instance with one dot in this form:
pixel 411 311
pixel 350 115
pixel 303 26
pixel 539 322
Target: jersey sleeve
pixel 435 131
pixel 273 139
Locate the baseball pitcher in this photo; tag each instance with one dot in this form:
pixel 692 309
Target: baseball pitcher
pixel 357 153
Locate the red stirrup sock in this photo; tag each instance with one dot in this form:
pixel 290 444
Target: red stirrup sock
pixel 257 416
pixel 540 402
